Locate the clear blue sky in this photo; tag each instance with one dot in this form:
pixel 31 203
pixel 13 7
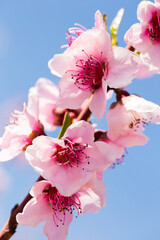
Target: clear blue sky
pixel 31 32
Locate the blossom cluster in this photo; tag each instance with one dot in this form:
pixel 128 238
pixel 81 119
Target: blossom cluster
pixel 91 70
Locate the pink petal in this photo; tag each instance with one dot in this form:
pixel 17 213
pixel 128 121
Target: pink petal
pixel 46 115
pixel 39 154
pixel 81 130
pixel 8 154
pixel 57 233
pixel 14 149
pixel 38 188
pixel 98 103
pixel 92 196
pixel 34 212
pixel 70 95
pixel 153 52
pixel 46 88
pixel 146 69
pixel 66 181
pixel 60 63
pixel 33 103
pixel 99 22
pixel 123 67
pixel 47 93
pixel 118 118
pixel 109 94
pixel 145 11
pixel 132 140
pixel 148 111
pixel 116 148
pixel 110 153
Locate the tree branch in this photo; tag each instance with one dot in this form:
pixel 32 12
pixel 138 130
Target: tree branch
pixel 10 227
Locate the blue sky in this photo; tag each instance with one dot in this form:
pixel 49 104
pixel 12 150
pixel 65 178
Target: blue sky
pixel 31 32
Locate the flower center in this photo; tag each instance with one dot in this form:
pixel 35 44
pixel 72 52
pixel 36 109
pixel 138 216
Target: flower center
pixel 137 124
pixel 61 204
pixel 154 28
pixel 89 73
pixel 34 134
pixel 72 155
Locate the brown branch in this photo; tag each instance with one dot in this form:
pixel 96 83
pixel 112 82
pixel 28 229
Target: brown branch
pixel 131 48
pixel 10 227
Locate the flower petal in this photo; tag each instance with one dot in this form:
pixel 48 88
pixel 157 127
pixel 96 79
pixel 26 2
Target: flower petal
pixel 70 95
pixel 34 212
pixel 57 233
pixel 98 103
pixel 81 130
pixel 123 67
pixel 132 140
pixel 145 11
pixel 92 196
pixel 149 111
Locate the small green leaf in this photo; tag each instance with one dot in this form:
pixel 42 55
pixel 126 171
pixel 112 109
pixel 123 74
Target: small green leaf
pixel 115 25
pixel 138 52
pixel 105 20
pixel 66 123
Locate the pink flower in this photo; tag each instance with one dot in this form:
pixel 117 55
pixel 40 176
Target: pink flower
pixel 145 36
pixel 69 162
pixel 56 210
pixel 88 66
pixel 126 120
pixel 24 128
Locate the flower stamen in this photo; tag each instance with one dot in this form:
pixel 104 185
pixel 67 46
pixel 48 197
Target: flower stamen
pixel 72 155
pixel 61 204
pixel 154 28
pixel 89 73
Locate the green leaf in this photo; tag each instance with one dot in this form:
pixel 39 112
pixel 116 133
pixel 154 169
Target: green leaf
pixel 66 123
pixel 115 25
pixel 138 52
pixel 105 20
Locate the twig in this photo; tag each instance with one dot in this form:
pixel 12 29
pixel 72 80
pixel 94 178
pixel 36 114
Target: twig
pixel 10 227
